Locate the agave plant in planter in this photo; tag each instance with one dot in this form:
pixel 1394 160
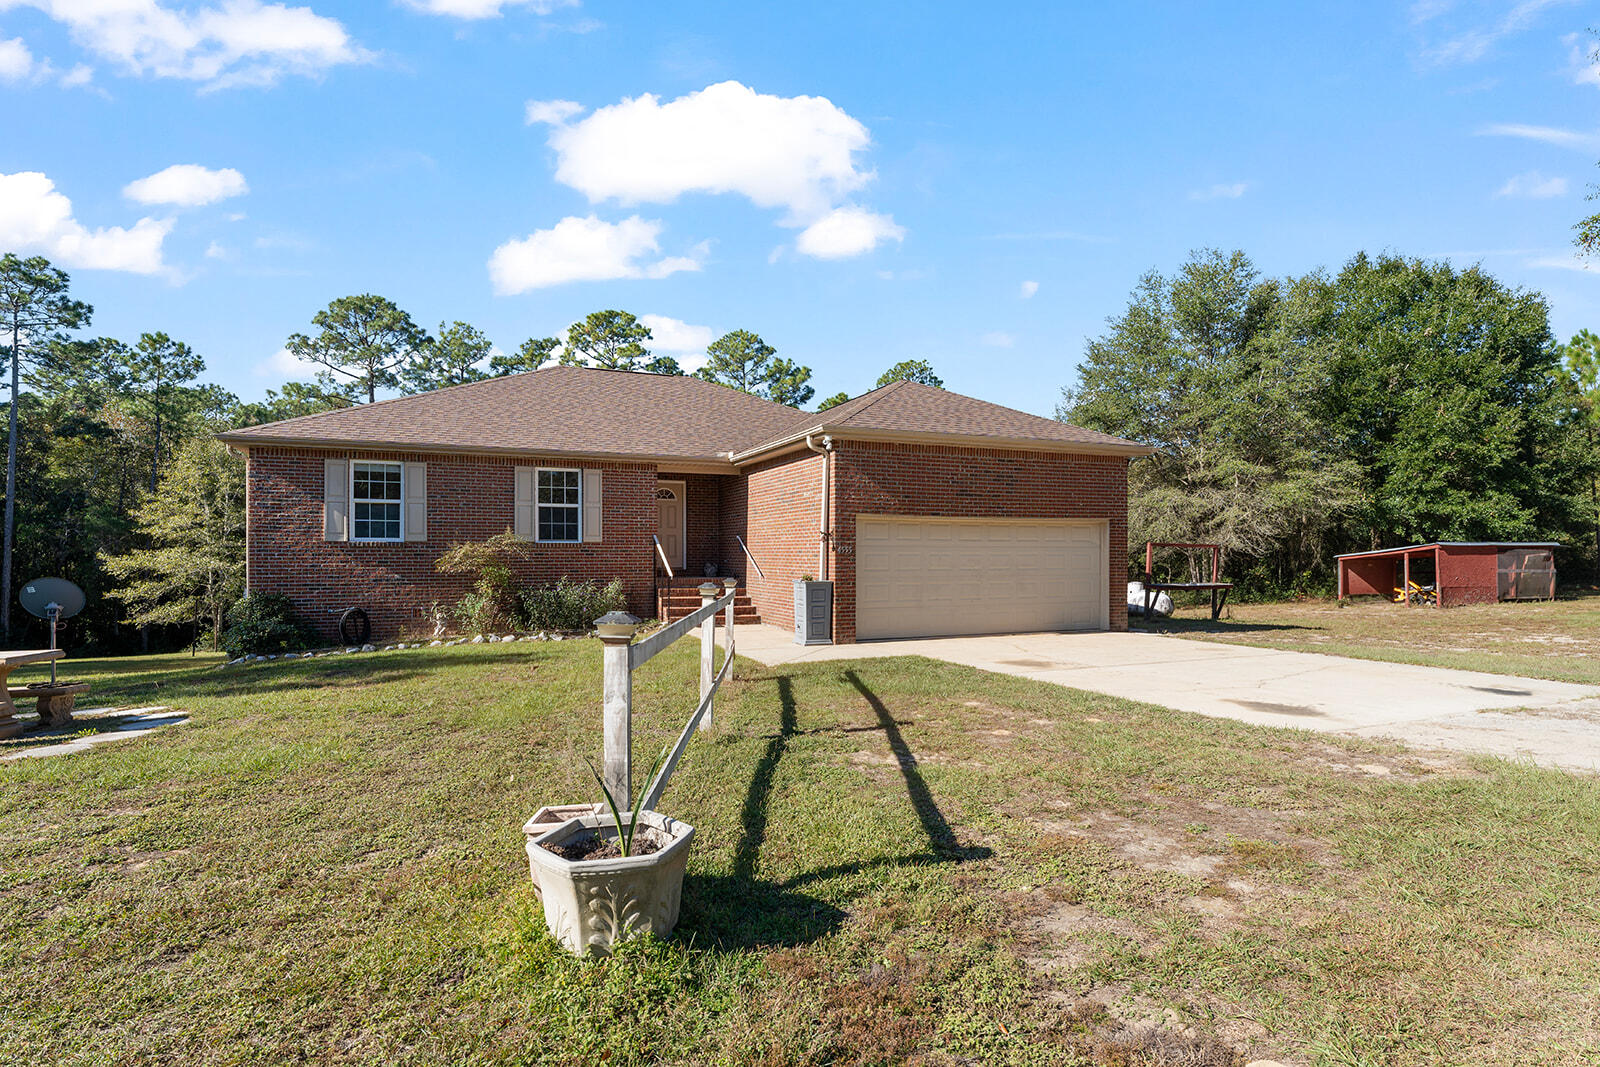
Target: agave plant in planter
pixel 607 877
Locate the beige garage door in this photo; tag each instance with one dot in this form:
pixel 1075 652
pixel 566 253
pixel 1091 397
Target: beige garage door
pixel 935 577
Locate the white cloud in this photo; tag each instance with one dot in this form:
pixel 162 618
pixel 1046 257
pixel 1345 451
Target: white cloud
pixel 796 153
pixel 1565 261
pixel 684 342
pixel 1551 135
pixel 675 335
pixel 1583 59
pixel 1222 191
pixel 847 231
pixel 240 42
pixel 34 217
pixel 1028 289
pixel 551 112
pixel 217 250
pixel 16 62
pixel 187 185
pixel 281 365
pixel 997 339
pixel 1473 44
pixel 78 77
pixel 586 249
pixel 485 9
pixel 1533 186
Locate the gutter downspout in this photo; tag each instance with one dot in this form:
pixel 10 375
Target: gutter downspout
pixel 825 452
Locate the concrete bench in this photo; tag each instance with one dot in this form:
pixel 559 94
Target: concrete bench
pixel 54 701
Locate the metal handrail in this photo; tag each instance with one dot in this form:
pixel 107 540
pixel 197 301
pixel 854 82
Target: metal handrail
pixel 750 556
pixel 662 553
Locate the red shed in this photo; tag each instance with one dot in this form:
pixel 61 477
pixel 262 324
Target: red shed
pixel 1448 574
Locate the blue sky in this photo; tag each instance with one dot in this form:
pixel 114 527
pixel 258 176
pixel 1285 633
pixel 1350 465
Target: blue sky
pixel 976 185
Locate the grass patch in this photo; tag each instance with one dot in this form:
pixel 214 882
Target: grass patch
pixel 1557 640
pixel 896 861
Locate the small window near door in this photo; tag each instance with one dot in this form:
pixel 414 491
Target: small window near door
pixel 375 499
pixel 560 504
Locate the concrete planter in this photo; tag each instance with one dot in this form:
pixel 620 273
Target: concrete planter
pixel 547 819
pixel 591 905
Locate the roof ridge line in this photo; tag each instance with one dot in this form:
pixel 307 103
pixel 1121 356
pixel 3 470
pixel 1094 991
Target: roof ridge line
pixel 887 389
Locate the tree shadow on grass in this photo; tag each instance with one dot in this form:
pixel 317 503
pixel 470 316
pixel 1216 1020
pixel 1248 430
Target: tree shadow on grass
pixel 739 910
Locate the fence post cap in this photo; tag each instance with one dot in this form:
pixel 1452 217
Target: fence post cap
pixel 709 589
pixel 616 626
pixel 730 584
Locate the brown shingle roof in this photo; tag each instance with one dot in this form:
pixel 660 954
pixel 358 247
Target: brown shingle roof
pixel 623 413
pixel 557 409
pixel 915 409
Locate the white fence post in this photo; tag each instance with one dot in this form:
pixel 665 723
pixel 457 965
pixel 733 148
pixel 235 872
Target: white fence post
pixel 616 632
pixel 731 585
pixel 708 644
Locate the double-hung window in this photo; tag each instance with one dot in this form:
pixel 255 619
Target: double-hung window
pixel 559 504
pixel 376 498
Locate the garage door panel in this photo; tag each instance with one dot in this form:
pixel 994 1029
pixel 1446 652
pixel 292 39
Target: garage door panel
pixel 917 577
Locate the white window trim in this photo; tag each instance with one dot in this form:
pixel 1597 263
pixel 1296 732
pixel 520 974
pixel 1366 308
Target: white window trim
pixel 401 502
pixel 537 506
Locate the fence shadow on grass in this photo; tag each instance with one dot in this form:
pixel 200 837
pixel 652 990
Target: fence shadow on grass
pixel 740 910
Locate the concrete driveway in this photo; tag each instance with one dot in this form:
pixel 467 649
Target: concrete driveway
pixel 1552 723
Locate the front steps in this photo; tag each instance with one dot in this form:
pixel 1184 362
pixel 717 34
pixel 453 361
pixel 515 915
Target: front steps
pixel 680 596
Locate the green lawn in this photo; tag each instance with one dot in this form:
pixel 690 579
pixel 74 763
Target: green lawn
pixel 896 861
pixel 1558 640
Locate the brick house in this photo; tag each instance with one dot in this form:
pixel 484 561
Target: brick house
pixel 933 513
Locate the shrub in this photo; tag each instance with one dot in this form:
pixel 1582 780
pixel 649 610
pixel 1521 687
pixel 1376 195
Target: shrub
pixel 570 605
pixel 493 602
pixel 262 623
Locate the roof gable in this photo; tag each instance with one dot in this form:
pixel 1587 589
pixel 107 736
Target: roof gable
pixel 914 409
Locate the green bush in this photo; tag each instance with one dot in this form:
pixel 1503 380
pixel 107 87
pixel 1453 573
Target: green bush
pixel 570 605
pixel 261 624
pixel 493 602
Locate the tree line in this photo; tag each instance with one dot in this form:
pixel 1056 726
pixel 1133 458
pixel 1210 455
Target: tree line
pixel 114 477
pixel 1394 402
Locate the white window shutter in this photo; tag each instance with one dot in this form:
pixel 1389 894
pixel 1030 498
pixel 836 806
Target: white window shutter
pixel 522 510
pixel 591 505
pixel 336 500
pixel 416 517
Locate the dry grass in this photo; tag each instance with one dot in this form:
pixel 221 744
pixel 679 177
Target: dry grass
pixel 896 861
pixel 1558 640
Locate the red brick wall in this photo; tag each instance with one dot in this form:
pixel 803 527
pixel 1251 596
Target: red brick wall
pixel 902 479
pixel 779 514
pixel 469 498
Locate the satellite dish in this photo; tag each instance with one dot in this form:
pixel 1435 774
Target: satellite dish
pixel 51 598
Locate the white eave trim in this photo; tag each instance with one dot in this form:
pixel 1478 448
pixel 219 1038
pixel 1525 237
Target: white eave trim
pixel 797 440
pixel 669 464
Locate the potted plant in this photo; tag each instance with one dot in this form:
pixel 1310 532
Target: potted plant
pixel 604 878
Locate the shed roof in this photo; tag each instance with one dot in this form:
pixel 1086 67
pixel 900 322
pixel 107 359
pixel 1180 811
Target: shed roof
pixel 1448 544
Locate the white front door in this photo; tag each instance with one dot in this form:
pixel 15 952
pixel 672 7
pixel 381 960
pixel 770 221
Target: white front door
pixel 926 577
pixel 670 522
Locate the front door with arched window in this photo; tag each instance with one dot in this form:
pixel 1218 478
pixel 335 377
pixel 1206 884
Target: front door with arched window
pixel 670 523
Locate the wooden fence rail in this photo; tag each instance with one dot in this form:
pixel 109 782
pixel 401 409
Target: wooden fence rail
pixel 623 657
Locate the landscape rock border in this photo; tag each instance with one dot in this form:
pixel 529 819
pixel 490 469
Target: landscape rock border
pixel 405 646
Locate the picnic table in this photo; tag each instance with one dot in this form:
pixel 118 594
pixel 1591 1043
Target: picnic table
pixel 1218 588
pixel 51 698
